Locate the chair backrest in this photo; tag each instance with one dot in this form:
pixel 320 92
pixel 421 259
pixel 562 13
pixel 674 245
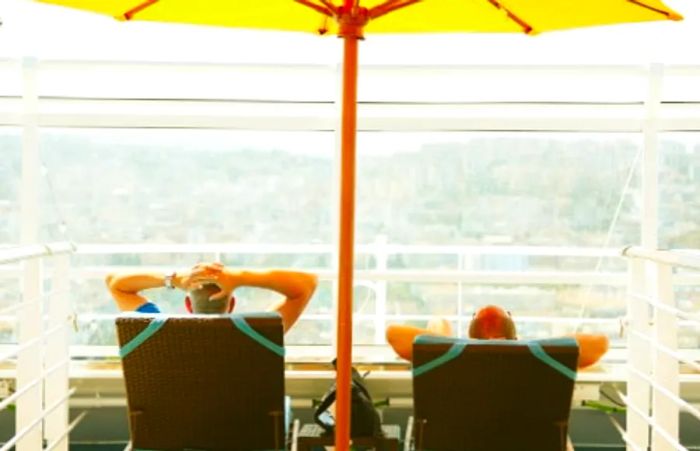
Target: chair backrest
pixel 492 395
pixel 204 382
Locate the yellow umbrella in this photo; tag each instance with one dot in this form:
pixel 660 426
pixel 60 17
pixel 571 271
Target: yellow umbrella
pixel 350 19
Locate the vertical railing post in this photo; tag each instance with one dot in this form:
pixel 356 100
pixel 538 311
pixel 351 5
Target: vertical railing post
pixel 665 411
pixel 29 358
pixel 29 406
pixel 637 356
pixel 57 354
pixel 460 294
pixel 650 161
pixel 380 289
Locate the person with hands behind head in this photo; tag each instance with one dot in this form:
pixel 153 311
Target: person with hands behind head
pixel 209 288
pixel 489 322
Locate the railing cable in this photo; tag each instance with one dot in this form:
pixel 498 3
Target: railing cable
pixel 10 443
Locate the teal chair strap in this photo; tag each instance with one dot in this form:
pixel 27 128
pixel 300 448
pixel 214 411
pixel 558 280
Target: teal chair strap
pixel 244 327
pixel 539 352
pixel 458 346
pixel 197 449
pixel 153 327
pixel 451 353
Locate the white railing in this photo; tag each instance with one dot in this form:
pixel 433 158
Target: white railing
pixel 653 382
pixel 41 353
pixel 464 272
pixel 653 395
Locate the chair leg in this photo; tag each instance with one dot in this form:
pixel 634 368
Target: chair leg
pixel 408 436
pixel 295 434
pixel 569 444
pixel 278 427
pixel 418 441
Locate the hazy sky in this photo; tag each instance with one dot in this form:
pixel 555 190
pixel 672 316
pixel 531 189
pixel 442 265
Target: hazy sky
pixel 45 31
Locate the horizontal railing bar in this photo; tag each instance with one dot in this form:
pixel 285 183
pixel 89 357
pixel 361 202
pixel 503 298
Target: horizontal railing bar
pixel 667 308
pixel 33 341
pixel 444 276
pixel 666 392
pixel 10 443
pixel 87 317
pixel 372 316
pixel 665 349
pixel 21 304
pixel 68 430
pixel 682 258
pixel 552 251
pixel 650 421
pixel 18 253
pixel 16 395
pixel 21 347
pixel 18 306
pixel 7 401
pixel 623 433
pixel 95 272
pixel 628 69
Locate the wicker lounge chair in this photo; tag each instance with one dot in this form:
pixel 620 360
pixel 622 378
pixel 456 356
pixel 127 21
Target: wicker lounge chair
pixel 204 382
pixel 492 395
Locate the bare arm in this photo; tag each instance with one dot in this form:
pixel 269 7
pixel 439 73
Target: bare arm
pixel 400 337
pixel 590 348
pixel 296 287
pixel 125 286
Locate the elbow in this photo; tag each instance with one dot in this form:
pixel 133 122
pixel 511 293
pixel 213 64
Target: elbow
pixel 391 331
pixel 398 342
pixel 312 284
pixel 308 286
pixel 591 349
pixel 110 281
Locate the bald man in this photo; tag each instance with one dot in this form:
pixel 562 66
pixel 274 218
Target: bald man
pixel 489 322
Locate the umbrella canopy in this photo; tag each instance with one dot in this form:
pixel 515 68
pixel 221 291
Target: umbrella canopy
pixel 350 19
pixel 508 16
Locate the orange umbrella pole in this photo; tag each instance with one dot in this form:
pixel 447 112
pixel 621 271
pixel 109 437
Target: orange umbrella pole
pixel 346 254
pixel 351 21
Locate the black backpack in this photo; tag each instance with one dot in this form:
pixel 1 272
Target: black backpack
pixel 364 419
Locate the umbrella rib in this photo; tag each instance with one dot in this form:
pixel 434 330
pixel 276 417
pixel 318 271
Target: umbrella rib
pixel 138 8
pixel 330 6
pixel 320 8
pixel 389 6
pixel 671 15
pixel 527 28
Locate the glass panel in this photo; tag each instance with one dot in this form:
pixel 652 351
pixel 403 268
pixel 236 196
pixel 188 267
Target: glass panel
pixel 408 298
pixel 180 81
pixel 10 78
pixel 679 190
pixel 539 311
pixel 454 84
pixel 553 189
pixel 681 85
pixel 186 186
pixel 311 332
pixel 10 173
pixel 534 307
pixel 688 300
pixel 9 287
